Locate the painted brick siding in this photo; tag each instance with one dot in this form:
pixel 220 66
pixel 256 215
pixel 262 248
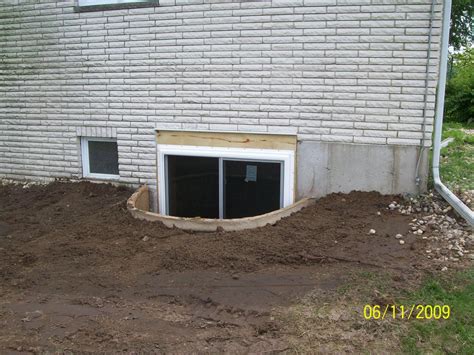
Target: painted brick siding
pixel 349 71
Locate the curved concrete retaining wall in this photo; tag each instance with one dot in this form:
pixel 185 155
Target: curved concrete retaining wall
pixel 138 205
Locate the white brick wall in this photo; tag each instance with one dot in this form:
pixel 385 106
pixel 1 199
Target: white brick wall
pixel 329 70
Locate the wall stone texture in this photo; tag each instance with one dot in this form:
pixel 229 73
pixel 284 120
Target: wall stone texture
pixel 342 71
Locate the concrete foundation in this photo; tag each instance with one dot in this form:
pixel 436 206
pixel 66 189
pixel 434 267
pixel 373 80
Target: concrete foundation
pixel 324 168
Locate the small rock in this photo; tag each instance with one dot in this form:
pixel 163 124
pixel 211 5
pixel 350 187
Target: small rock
pixel 32 315
pixel 378 213
pixel 450 220
pixel 146 238
pixel 131 317
pixel 402 241
pixel 372 231
pixel 398 236
pixel 392 206
pixel 444 268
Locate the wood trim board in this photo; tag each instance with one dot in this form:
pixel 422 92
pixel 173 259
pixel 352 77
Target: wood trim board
pixel 227 139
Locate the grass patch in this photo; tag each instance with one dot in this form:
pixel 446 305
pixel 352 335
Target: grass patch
pixel 452 336
pixel 457 159
pixel 361 284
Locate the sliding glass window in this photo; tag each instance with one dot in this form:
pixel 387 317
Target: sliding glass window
pixel 211 187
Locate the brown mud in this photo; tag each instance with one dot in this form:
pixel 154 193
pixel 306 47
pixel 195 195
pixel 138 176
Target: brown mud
pixel 77 272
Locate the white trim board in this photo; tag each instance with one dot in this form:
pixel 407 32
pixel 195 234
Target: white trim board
pixel 108 2
pixel 287 157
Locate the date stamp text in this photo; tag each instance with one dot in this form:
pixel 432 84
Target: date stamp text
pixel 415 311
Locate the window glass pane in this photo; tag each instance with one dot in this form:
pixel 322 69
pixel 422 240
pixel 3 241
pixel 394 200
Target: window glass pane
pixel 193 186
pixel 251 188
pixel 108 2
pixel 103 157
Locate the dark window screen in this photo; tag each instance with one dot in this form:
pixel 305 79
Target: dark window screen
pixel 251 188
pixel 193 186
pixel 103 157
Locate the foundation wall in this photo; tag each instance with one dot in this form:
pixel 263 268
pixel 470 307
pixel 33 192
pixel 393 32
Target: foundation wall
pixel 324 168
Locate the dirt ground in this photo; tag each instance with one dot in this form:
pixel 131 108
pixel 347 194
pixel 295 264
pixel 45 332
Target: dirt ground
pixel 77 272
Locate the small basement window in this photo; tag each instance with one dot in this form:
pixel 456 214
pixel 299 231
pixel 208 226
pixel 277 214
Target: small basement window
pixel 91 5
pixel 224 183
pixel 100 158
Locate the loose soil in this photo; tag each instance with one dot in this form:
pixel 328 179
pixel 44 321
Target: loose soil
pixel 79 273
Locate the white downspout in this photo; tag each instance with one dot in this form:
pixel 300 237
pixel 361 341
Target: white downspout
pixel 451 198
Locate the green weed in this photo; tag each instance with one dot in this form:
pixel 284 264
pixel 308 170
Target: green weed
pixel 452 336
pixel 457 159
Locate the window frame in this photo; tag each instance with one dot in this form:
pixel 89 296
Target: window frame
pixel 114 5
pixel 285 157
pixel 85 159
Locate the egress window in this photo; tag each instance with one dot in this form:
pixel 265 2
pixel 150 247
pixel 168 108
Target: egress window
pixel 211 187
pixel 100 158
pixel 223 183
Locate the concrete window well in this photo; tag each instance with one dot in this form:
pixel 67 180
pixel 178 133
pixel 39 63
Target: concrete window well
pixel 233 181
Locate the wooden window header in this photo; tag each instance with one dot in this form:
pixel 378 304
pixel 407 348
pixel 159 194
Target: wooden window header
pixel 227 139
